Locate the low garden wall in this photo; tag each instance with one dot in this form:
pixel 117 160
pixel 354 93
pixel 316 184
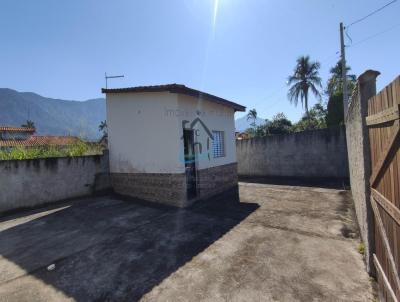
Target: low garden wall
pixel 317 154
pixel 31 182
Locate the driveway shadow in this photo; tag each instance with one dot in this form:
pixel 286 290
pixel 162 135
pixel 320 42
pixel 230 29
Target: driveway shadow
pixel 106 249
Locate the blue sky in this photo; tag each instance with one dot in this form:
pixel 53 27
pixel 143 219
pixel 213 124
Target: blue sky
pixel 242 50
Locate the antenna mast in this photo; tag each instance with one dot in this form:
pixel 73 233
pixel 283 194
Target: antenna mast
pixel 111 77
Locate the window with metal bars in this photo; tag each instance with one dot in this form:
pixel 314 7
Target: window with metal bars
pixel 218 144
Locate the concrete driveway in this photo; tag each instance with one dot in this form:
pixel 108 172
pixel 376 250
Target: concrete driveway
pixel 278 243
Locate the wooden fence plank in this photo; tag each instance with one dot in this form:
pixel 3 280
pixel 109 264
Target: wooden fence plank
pixel 387 115
pixel 388 206
pixel 384 155
pixel 386 244
pixel 383 122
pixel 382 276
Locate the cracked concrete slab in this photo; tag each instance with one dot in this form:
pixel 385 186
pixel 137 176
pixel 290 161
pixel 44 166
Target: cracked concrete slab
pixel 279 243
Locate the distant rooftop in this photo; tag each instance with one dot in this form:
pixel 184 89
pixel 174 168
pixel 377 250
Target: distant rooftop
pixel 36 140
pixel 16 129
pixel 178 88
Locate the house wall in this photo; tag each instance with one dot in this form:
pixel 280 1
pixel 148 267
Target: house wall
pixel 142 137
pixel 214 175
pixel 146 134
pixel 318 153
pixel 215 117
pixel 146 145
pixel 28 183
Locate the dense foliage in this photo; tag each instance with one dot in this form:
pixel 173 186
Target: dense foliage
pixel 335 110
pixel 334 91
pixel 79 149
pixel 316 119
pixel 306 78
pixel 280 124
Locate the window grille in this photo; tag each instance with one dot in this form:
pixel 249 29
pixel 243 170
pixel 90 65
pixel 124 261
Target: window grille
pixel 218 144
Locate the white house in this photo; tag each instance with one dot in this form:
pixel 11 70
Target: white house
pixel 170 144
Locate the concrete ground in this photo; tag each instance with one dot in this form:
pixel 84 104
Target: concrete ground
pixel 279 243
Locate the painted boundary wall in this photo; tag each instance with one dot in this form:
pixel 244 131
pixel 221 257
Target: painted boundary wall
pixel 33 182
pixel 318 154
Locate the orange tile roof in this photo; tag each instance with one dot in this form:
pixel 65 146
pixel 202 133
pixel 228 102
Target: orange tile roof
pixel 16 129
pixel 40 141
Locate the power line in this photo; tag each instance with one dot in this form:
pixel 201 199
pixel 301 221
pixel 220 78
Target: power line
pixel 374 35
pixel 372 13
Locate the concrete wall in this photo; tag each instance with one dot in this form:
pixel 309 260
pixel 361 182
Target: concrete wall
pixel 28 183
pixel 359 160
pixel 318 153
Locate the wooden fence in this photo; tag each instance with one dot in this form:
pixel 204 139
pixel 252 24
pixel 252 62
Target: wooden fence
pixel 384 134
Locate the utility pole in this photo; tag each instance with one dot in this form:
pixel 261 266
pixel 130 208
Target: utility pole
pixel 344 71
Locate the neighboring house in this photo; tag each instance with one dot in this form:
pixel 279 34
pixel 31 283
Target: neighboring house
pixel 15 133
pixel 23 137
pixel 170 144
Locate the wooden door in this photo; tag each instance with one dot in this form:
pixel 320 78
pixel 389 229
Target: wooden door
pixel 190 163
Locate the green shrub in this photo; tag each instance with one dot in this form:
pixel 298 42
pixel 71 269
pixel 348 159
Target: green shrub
pixel 78 149
pixel 361 248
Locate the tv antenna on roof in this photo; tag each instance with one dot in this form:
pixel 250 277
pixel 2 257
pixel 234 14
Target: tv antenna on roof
pixel 111 77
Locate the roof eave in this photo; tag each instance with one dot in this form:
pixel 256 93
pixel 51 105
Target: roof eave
pixel 180 89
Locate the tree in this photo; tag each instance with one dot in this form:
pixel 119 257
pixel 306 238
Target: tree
pixel 103 127
pixel 335 116
pixel 334 90
pixel 335 82
pixel 305 78
pixel 279 124
pixel 252 115
pixel 261 130
pixel 316 119
pixel 29 124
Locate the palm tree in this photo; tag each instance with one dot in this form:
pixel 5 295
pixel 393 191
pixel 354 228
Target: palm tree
pixel 29 124
pixel 305 77
pixel 252 115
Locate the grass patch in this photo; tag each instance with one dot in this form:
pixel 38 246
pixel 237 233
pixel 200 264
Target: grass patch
pixel 361 248
pixel 78 149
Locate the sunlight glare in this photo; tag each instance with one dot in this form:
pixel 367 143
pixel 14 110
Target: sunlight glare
pixel 216 5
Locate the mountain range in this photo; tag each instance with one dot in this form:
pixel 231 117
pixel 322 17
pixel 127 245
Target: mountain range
pixel 64 117
pixel 52 116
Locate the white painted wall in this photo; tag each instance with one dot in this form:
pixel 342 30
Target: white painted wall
pixel 145 131
pixel 216 117
pixel 142 137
